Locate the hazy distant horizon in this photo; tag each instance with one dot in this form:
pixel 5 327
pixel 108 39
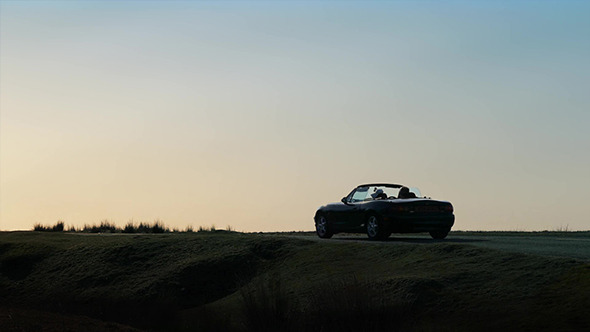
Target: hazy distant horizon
pixel 254 114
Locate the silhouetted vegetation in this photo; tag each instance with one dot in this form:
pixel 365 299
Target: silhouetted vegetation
pixel 156 227
pixel 105 226
pixel 58 227
pixel 205 229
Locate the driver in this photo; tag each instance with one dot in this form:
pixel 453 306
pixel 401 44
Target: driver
pixel 404 192
pixel 379 194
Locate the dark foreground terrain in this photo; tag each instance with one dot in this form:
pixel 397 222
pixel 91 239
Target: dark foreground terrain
pixel 225 281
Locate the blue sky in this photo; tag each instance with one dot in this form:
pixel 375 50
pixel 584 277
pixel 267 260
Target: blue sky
pixel 235 112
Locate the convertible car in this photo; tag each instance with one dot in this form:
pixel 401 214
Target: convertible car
pixel 380 209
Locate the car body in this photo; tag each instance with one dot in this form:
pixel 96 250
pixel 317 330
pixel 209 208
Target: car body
pixel 380 209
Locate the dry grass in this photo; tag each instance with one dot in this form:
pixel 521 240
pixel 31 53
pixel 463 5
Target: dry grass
pixel 105 226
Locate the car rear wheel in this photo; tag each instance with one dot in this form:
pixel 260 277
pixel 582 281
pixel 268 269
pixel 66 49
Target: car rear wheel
pixel 375 228
pixel 439 235
pixel 322 228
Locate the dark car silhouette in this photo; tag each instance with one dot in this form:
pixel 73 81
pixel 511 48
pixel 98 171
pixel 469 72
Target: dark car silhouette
pixel 380 209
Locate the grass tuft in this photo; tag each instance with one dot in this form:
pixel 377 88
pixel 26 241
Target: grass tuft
pixel 58 227
pixel 158 227
pixel 40 228
pixel 131 227
pixel 211 229
pixel 104 227
pixel 562 228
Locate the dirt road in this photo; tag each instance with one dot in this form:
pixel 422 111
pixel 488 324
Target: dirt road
pixel 569 245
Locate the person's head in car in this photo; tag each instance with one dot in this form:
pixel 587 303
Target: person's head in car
pixel 404 192
pixel 379 194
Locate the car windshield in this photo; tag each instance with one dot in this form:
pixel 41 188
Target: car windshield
pixel 411 192
pixel 382 192
pixel 416 191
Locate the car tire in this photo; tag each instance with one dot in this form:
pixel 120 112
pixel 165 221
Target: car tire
pixel 439 235
pixel 322 227
pixel 375 228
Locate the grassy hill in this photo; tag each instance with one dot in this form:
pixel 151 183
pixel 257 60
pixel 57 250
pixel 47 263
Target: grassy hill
pixel 226 281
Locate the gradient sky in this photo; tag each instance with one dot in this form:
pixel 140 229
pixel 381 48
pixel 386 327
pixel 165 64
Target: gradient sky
pixel 254 114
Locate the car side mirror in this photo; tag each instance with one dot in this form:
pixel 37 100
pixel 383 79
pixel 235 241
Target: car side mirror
pixel 343 200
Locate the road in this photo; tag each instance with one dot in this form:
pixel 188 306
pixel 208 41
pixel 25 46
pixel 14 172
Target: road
pixel 569 245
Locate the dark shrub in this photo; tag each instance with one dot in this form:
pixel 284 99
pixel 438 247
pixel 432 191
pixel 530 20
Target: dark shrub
pixel 130 228
pixel 104 227
pixel 40 228
pixel 143 228
pixel 158 227
pixel 59 227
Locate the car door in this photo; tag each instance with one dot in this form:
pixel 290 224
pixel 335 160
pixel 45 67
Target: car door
pixel 347 218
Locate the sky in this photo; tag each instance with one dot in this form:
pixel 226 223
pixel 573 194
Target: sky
pixel 254 114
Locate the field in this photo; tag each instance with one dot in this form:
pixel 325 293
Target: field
pixel 228 281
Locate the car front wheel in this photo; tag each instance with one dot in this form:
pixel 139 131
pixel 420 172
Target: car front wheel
pixel 439 235
pixel 375 228
pixel 322 228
